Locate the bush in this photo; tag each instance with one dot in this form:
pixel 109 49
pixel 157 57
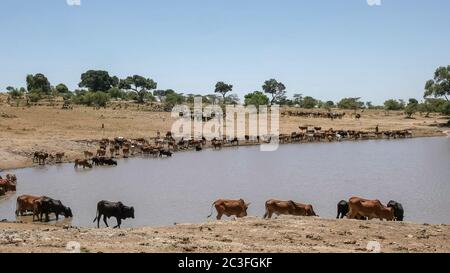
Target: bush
pixel 393 105
pixel 350 103
pixel 256 98
pixel 99 99
pixel 34 96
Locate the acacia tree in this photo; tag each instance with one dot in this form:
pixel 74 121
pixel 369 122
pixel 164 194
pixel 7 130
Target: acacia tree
pixel 140 85
pixel 276 89
pixel 223 88
pixel 440 85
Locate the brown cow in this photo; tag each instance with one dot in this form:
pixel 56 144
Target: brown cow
pixel 304 210
pixel 59 157
pixel 88 155
pixel 8 184
pixel 278 207
pixel 101 152
pixel 237 208
pixel 287 208
pixel 25 203
pixel 369 208
pixel 83 163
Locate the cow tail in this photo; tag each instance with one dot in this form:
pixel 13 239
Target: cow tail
pixel 211 210
pixel 267 211
pixel 96 216
pixel 17 207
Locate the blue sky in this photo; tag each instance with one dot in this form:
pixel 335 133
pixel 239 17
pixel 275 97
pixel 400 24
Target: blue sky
pixel 328 49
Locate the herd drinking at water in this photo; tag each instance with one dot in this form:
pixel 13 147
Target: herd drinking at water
pixel 354 208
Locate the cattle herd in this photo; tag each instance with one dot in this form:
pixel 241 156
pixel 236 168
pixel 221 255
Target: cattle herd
pixel 109 149
pixel 354 208
pixel 329 115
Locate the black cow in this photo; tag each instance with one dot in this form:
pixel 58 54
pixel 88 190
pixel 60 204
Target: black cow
pixel 97 161
pixel 342 209
pixel 113 209
pixel 165 153
pixel 398 210
pixel 48 205
pixel 110 162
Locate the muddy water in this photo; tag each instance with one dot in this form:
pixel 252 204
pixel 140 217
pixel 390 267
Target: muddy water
pixel 415 172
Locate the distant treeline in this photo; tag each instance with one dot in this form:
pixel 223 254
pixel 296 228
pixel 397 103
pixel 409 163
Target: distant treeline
pixel 97 88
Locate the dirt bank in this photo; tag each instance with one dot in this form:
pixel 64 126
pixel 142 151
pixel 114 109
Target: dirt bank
pixel 285 234
pixel 24 130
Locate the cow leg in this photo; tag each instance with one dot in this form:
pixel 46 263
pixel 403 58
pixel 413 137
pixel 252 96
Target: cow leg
pixel 219 215
pixel 104 220
pixel 119 222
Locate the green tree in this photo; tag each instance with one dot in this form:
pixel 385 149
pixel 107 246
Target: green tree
pixel 223 88
pixel 297 99
pixel 350 103
pixel 38 83
pixel 61 89
pixel 276 89
pixel 172 98
pixel 309 102
pixel 140 85
pixel 15 93
pixel 232 99
pixel 329 103
pixel 117 93
pixel 256 98
pixel 97 80
pixel 394 105
pixel 411 108
pixel 440 85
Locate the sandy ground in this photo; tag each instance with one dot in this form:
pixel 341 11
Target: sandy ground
pixel 285 234
pixel 24 130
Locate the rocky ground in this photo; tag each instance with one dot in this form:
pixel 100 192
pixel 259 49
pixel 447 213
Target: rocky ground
pixel 285 234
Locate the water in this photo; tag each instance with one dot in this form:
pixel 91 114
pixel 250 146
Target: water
pixel 415 172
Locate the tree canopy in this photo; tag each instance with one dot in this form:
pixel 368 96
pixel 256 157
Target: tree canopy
pixel 256 98
pixel 394 105
pixel 440 85
pixel 98 80
pixel 276 89
pixel 350 103
pixel 38 83
pixel 140 85
pixel 61 89
pixel 223 88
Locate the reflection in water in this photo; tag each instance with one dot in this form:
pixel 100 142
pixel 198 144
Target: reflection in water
pixel 414 172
